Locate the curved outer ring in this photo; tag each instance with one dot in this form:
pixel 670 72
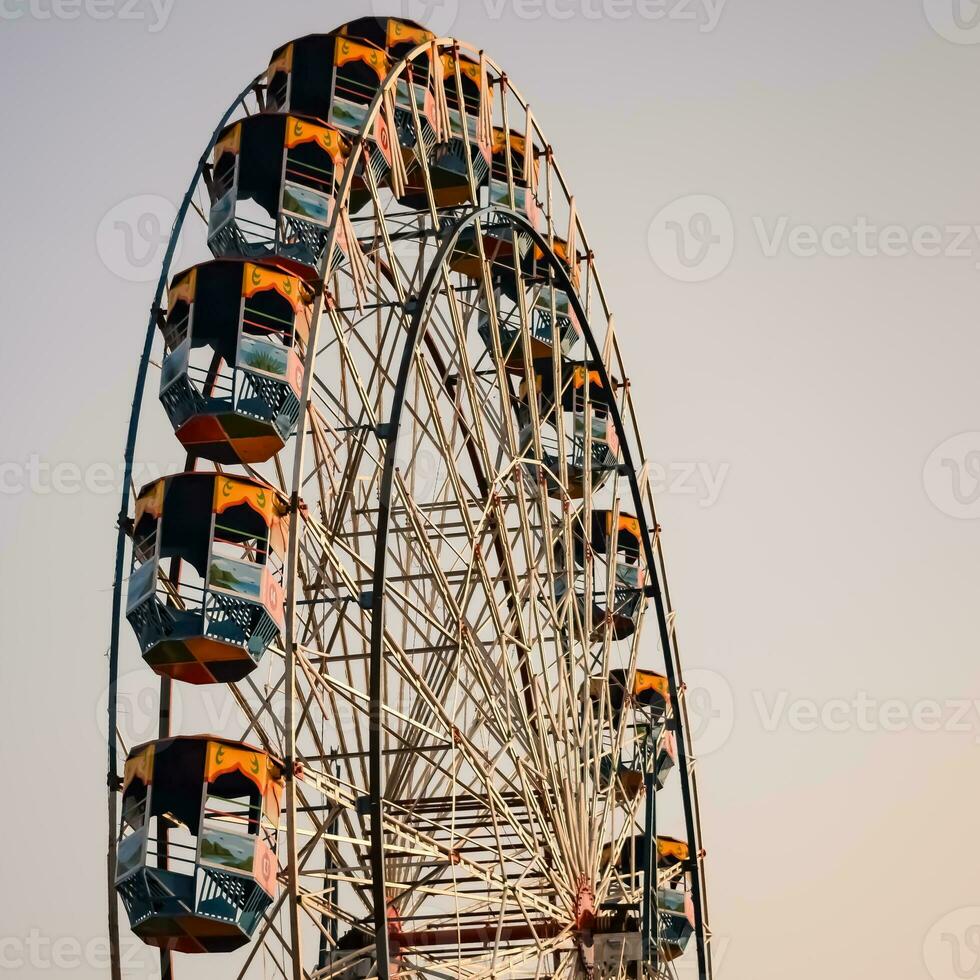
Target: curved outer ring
pixel 431 289
pixel 672 664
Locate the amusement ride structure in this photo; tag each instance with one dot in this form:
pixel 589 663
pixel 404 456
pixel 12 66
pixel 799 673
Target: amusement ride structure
pixel 414 542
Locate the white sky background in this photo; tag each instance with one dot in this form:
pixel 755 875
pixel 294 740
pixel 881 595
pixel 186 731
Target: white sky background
pixel 825 570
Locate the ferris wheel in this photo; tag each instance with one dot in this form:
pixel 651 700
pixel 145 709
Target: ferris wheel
pixel 415 543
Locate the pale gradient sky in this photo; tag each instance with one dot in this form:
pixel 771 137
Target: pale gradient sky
pixel 816 388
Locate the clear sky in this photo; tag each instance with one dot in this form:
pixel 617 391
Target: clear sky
pixel 803 323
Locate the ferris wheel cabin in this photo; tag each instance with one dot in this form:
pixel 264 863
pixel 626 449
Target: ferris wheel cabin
pixel 649 753
pixel 334 78
pixel 235 334
pixel 196 851
pixel 590 443
pixel 667 907
pixel 413 97
pixel 467 147
pixel 273 189
pixel 205 593
pixel 512 155
pixel 615 548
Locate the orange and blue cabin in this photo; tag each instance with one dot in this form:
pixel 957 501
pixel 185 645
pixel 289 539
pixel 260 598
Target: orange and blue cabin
pixel 672 855
pixel 524 170
pixel 532 272
pixel 675 906
pixel 398 38
pixel 468 101
pixel 196 863
pixel 672 903
pixel 205 592
pixel 552 321
pixel 652 750
pixel 335 78
pixel 591 442
pixel 274 184
pixel 235 336
pixel 626 569
pixel 505 247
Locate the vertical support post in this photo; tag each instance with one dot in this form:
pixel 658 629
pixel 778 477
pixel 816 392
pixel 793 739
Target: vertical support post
pixel 163 844
pixel 651 918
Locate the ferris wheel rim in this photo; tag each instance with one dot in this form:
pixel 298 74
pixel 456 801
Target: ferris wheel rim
pixel 409 345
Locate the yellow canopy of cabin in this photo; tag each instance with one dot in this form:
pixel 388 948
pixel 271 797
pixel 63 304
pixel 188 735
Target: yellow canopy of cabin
pixel 303 131
pixel 150 500
pixel 347 50
pixel 281 62
pixel 579 375
pixel 258 279
pixel 140 767
pixel 647 680
pixel 229 492
pixel 184 287
pixel 230 142
pixel 251 763
pixel 400 32
pixel 671 847
pixel 467 68
pixel 626 523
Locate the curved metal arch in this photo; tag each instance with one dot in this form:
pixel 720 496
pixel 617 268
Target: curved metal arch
pixel 421 303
